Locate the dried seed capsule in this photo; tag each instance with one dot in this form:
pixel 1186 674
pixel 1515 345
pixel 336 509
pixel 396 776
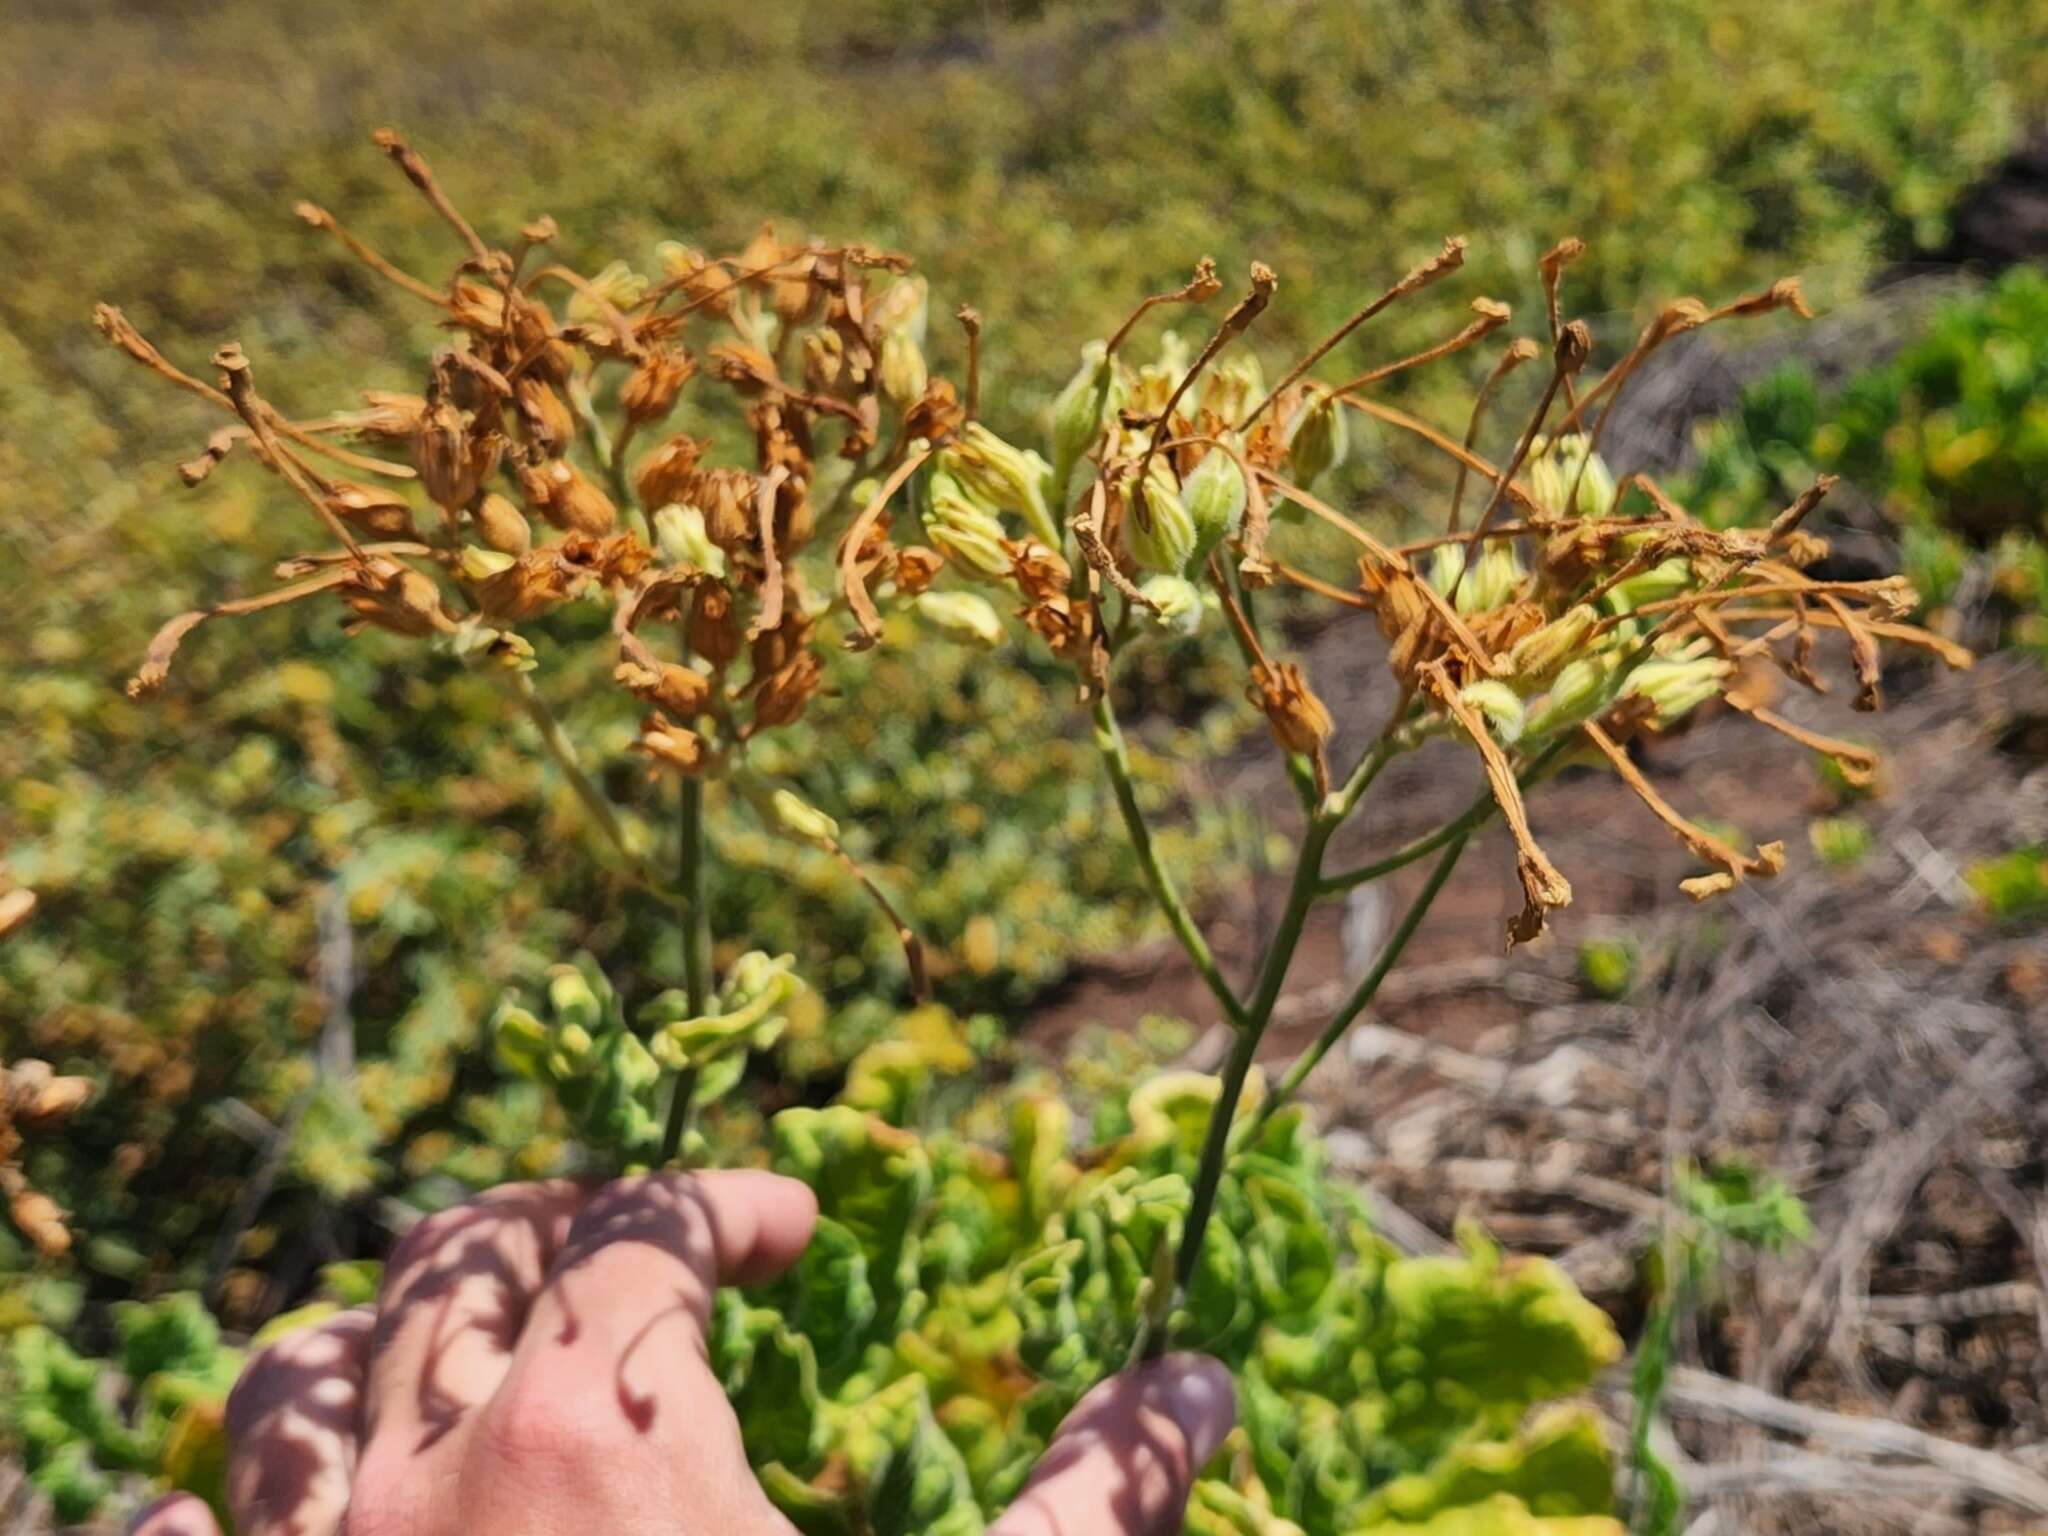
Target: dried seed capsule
pixel 565 496
pixel 451 464
pixel 651 392
pixel 715 630
pixel 1318 440
pixel 372 510
pixel 502 525
pixel 683 691
pixel 544 419
pixel 963 615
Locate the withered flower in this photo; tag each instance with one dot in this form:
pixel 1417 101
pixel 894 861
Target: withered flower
pixel 502 525
pixel 372 510
pixel 560 492
pixel 1301 723
pixel 682 691
pixel 715 629
pixel 672 747
pixel 650 392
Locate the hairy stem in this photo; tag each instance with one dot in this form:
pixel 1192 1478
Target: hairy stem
pixel 1109 739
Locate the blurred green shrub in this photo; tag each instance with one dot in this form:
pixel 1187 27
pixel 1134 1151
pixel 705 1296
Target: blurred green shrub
pixel 1949 439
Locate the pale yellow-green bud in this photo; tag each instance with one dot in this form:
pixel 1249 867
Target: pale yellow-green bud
pixel 633 1066
pixel 1318 440
pixel 800 818
pixel 1233 386
pixel 963 615
pixel 1009 479
pixel 483 564
pixel 963 527
pixel 1496 575
pixel 1666 579
pixel 757 976
pixel 1679 684
pixel 1498 705
pixel 1177 603
pixel 902 370
pixel 1537 657
pixel 618 285
pixel 1157 378
pixel 1091 399
pixel 679 535
pixel 1168 542
pixel 1555 466
pixel 905 305
pixel 1579 691
pixel 1214 496
pixel 521 1043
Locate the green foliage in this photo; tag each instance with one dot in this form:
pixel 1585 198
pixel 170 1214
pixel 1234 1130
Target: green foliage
pixel 80 1423
pixel 1607 966
pixel 2014 886
pixel 1841 842
pixel 1950 438
pixel 958 1302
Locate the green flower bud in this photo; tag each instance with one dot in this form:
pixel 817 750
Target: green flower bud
pixel 1498 705
pixel 679 535
pixel 521 1043
pixel 571 997
pixel 1666 579
pixel 964 528
pixel 1555 466
pixel 1007 478
pixel 1177 600
pixel 1091 399
pixel 1496 575
pixel 1169 543
pixel 1318 440
pixel 800 818
pixel 1680 683
pixel 1537 657
pixel 963 615
pixel 1578 692
pixel 633 1066
pixel 1214 496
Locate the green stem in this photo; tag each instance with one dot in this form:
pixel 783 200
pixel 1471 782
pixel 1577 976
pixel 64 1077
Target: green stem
pixel 1209 1174
pixel 1478 811
pixel 555 741
pixel 1109 739
pixel 1363 993
pixel 693 918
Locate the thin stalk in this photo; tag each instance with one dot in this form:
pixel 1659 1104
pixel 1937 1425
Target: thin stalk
pixel 555 741
pixel 693 919
pixel 1363 993
pixel 1480 810
pixel 1209 1174
pixel 1109 740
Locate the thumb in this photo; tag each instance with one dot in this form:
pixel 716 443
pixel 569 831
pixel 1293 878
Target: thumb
pixel 176 1514
pixel 1122 1463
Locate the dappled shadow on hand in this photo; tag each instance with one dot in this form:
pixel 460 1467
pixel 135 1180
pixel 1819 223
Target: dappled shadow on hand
pixel 294 1419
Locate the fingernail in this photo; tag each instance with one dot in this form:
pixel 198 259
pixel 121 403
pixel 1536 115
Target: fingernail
pixel 1197 1394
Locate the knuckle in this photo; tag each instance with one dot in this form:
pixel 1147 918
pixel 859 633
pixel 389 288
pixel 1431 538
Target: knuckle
pixel 570 1423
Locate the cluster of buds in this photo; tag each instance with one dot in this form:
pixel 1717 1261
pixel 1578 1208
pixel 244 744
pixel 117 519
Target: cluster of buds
pixel 34 1101
pixel 1571 614
pixel 609 1077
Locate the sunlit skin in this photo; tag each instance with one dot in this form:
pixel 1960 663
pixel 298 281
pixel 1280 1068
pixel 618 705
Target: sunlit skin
pixel 536 1363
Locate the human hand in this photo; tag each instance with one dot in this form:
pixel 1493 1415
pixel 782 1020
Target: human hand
pixel 536 1365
